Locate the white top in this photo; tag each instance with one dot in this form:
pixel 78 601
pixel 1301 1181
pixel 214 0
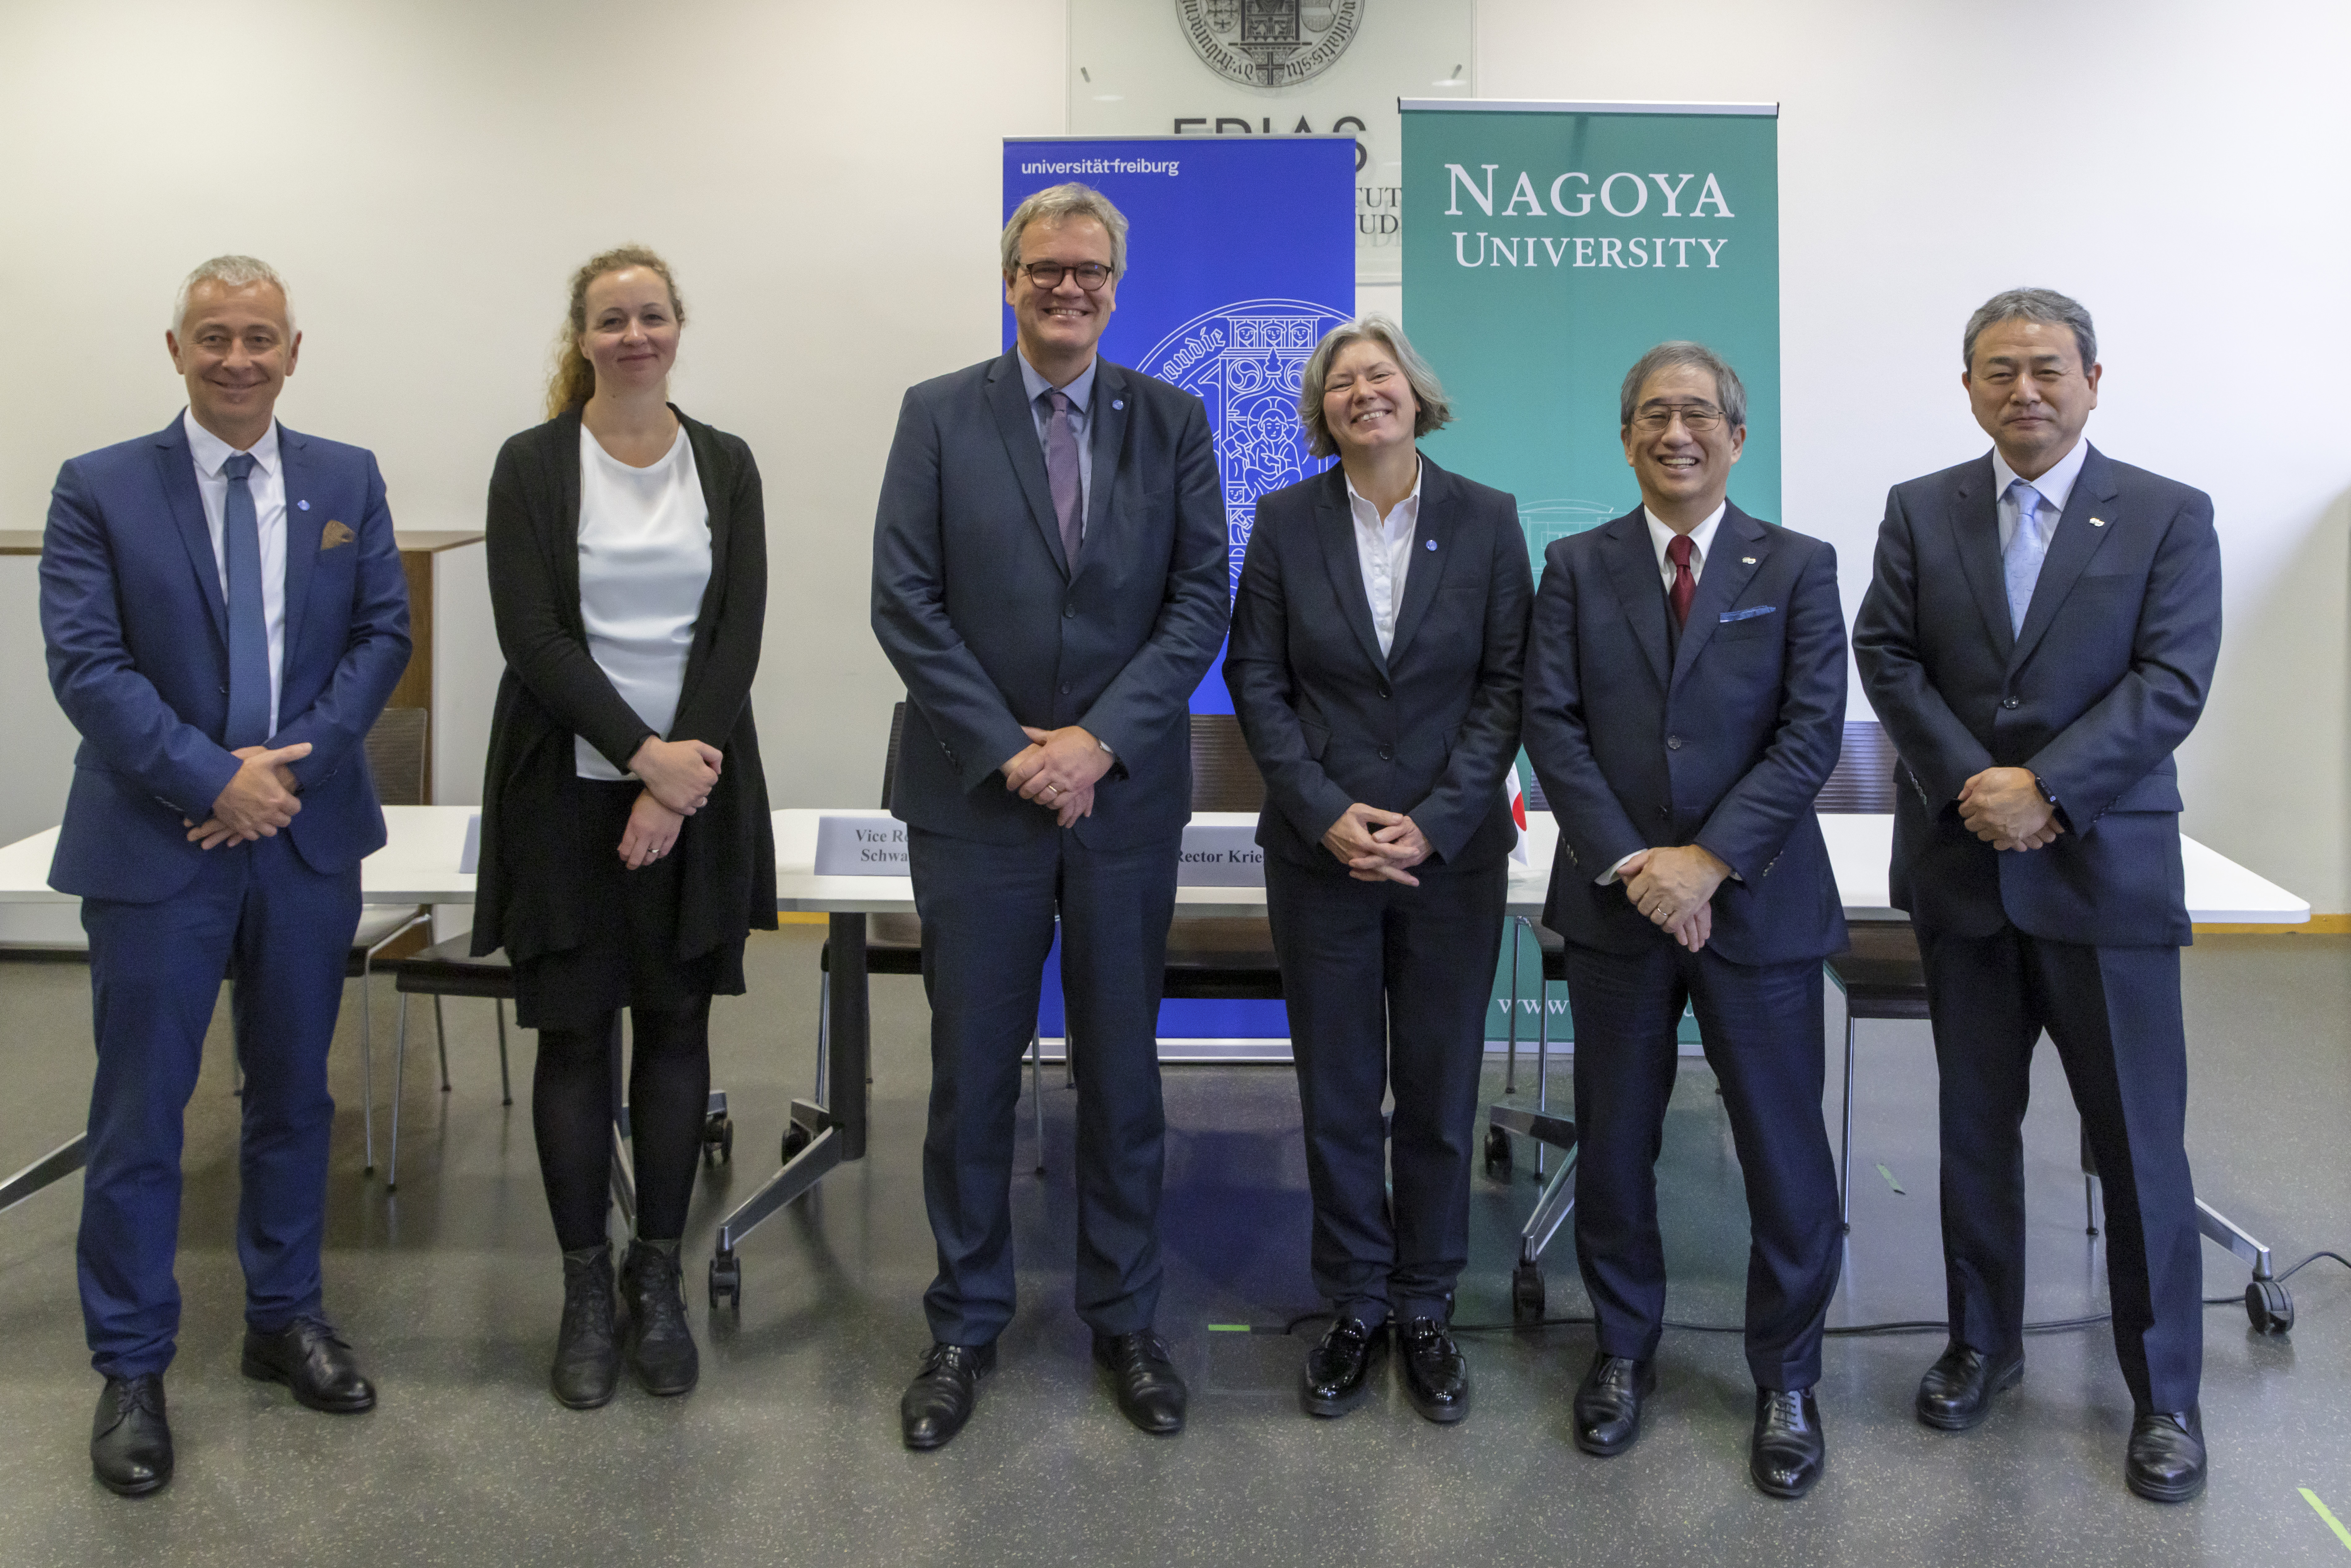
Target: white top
pixel 645 562
pixel 1701 538
pixel 266 484
pixel 2054 487
pixel 1384 550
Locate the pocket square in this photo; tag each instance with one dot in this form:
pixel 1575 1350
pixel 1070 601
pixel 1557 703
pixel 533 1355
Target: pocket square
pixel 335 534
pixel 1748 614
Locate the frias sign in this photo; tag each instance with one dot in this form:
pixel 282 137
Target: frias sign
pixel 1574 193
pixel 1269 43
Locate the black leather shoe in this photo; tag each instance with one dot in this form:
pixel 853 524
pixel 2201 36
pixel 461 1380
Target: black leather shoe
pixel 660 1346
pixel 587 1345
pixel 1789 1452
pixel 1149 1390
pixel 940 1400
pixel 1956 1393
pixel 2166 1459
pixel 311 1359
pixel 1339 1370
pixel 1608 1403
pixel 129 1440
pixel 1436 1377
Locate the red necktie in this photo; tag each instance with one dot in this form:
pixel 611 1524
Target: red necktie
pixel 1685 585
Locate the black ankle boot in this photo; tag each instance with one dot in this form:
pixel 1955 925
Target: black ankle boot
pixel 587 1348
pixel 660 1347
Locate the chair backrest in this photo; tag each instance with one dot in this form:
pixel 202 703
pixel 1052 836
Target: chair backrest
pixel 1864 778
pixel 1224 775
pixel 890 757
pixel 395 754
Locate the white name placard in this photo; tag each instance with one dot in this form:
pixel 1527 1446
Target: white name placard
pixel 1221 857
pixel 861 846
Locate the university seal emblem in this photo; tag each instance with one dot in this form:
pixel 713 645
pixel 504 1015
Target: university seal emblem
pixel 1244 361
pixel 1269 43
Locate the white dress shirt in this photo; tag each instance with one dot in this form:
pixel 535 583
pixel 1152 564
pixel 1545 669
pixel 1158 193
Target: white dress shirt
pixel 1701 538
pixel 1384 550
pixel 644 563
pixel 266 484
pixel 2055 487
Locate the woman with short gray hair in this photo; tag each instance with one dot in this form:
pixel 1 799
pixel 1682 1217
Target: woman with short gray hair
pixel 1375 660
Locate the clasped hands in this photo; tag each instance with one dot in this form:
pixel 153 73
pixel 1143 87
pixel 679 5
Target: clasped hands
pixel 1376 845
pixel 678 775
pixel 1674 887
pixel 1057 769
pixel 2003 807
pixel 260 797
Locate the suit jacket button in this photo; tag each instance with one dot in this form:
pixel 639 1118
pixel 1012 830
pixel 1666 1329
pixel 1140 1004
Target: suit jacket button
pixel 1065 688
pixel 1384 692
pixel 2011 702
pixel 1673 743
pixel 1069 611
pixel 1665 814
pixel 1386 753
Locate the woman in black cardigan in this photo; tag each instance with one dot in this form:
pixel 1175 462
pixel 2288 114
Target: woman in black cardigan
pixel 625 839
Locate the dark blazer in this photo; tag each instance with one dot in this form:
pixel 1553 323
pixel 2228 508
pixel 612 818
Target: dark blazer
pixel 1428 729
pixel 2106 680
pixel 1721 736
pixel 976 607
pixel 528 900
pixel 138 653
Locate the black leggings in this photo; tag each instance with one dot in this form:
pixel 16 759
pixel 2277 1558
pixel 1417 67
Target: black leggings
pixel 572 1111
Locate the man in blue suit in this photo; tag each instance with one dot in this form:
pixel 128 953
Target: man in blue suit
pixel 2039 637
pixel 1049 579
pixel 226 616
pixel 1685 703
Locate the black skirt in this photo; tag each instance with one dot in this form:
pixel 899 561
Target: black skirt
pixel 628 956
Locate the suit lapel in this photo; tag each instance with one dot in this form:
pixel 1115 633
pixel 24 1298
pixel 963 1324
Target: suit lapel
pixel 1633 572
pixel 2069 551
pixel 176 467
pixel 1730 566
pixel 1109 417
pixel 303 531
pixel 1433 539
pixel 1334 524
pixel 1009 396
pixel 1975 530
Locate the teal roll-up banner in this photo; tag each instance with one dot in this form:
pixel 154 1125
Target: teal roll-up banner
pixel 1548 246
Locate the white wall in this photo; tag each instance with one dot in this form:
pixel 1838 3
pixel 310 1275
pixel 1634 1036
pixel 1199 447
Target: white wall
pixel 2180 168
pixel 824 178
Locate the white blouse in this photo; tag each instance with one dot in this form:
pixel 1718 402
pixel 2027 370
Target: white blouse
pixel 644 563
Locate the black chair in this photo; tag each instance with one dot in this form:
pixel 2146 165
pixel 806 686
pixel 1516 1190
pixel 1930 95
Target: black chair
pixel 1223 958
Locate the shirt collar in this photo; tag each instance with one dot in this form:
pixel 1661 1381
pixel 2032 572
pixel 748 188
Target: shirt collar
pixel 1407 508
pixel 2055 487
pixel 1701 538
pixel 1079 390
pixel 210 451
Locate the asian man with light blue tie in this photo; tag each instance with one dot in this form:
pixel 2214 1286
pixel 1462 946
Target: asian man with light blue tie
pixel 2038 639
pixel 226 616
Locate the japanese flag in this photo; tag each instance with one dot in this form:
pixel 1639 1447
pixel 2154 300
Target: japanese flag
pixel 1518 799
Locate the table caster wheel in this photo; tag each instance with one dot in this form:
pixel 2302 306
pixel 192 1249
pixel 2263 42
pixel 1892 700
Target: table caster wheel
pixel 2269 1307
pixel 1497 1154
pixel 796 1138
pixel 726 1282
pixel 719 1139
pixel 1527 1293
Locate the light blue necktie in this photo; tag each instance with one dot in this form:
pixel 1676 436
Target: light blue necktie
pixel 249 629
pixel 2026 549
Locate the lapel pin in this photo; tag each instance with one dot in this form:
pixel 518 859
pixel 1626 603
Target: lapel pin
pixel 1117 403
pixel 1432 544
pixel 1747 560
pixel 2097 522
pixel 304 504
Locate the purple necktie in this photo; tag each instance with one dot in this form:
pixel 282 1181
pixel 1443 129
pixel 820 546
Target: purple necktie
pixel 1062 473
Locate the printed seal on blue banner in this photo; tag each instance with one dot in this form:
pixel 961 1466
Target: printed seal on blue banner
pixel 1269 43
pixel 1244 361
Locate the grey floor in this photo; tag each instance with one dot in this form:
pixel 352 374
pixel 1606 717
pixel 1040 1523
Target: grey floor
pixel 789 1451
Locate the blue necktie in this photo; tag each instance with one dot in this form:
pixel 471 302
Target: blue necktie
pixel 249 629
pixel 2026 549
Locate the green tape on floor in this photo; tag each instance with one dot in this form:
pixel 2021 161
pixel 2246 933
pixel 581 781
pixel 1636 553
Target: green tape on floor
pixel 1890 1181
pixel 2333 1524
pixel 1228 1328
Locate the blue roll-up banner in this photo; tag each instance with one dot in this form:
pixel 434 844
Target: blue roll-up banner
pixel 1240 256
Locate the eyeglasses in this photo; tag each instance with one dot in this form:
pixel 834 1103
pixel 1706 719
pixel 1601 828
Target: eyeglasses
pixel 1697 418
pixel 1091 274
